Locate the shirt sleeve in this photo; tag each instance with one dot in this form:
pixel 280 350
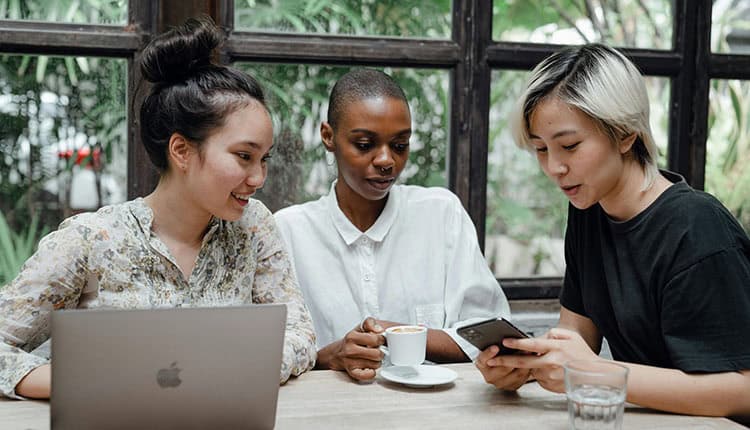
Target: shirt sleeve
pixel 275 282
pixel 705 313
pixel 472 293
pixel 51 279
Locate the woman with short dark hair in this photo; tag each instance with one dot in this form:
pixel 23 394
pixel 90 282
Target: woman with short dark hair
pixel 373 254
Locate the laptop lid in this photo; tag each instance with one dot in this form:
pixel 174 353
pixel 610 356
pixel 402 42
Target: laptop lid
pixel 167 368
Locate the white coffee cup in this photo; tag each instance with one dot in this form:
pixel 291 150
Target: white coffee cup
pixel 406 344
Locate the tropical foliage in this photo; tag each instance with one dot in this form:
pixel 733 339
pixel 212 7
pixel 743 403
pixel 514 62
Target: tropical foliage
pixel 63 116
pixel 16 247
pixel 57 115
pixel 728 149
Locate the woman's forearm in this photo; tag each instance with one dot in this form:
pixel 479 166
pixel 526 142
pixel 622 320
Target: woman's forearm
pixel 36 385
pixel 715 394
pixel 441 348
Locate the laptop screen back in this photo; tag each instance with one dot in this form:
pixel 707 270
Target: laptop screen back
pixel 167 368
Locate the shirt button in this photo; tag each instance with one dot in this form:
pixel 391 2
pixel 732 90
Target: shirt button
pixel 368 276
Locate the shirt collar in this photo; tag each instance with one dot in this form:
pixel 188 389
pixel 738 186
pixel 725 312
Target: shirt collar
pixel 143 214
pixel 377 232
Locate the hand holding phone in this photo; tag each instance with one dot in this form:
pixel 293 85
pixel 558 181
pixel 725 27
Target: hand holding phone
pixel 491 332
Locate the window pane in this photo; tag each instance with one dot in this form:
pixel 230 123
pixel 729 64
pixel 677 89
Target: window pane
pixel 728 147
pixel 730 26
pixel 299 170
pixel 526 213
pixel 85 12
pixel 406 18
pixel 658 96
pixel 628 23
pixel 63 138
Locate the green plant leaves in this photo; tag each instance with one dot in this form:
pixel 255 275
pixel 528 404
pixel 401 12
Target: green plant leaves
pixel 16 247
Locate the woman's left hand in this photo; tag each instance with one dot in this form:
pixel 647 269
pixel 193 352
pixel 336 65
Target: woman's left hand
pixel 549 354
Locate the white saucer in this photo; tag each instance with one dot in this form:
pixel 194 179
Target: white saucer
pixel 419 376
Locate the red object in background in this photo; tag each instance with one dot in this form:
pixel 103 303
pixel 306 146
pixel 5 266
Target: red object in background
pixel 81 154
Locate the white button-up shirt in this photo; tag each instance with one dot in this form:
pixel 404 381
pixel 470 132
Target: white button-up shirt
pixel 420 263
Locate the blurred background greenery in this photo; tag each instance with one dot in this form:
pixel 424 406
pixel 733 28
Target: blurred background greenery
pixel 63 120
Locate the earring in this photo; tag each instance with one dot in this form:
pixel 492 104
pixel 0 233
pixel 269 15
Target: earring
pixel 330 159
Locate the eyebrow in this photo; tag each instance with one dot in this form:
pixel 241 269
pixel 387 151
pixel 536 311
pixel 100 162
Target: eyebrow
pixel 556 135
pixel 252 144
pixel 372 133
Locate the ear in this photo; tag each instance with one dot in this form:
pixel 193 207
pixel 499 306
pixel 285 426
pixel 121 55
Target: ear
pixel 326 134
pixel 627 142
pixel 179 151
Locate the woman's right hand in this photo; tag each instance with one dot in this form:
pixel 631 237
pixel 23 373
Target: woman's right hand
pixel 504 378
pixel 36 384
pixel 358 352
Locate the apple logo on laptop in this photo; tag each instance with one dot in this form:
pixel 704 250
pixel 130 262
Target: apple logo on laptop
pixel 169 377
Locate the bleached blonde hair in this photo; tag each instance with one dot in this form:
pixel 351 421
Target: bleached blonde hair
pixel 604 85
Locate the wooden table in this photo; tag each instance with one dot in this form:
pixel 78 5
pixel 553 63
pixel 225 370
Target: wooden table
pixel 330 400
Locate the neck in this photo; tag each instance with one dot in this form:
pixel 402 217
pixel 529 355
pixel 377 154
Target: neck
pixel 361 212
pixel 176 216
pixel 628 198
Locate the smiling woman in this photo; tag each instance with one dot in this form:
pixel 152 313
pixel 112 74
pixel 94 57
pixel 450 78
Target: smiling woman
pixel 197 240
pixel 230 165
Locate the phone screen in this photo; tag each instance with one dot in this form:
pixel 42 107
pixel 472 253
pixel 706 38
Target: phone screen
pixel 491 332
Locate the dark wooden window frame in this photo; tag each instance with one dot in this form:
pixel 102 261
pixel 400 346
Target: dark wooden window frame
pixel 470 56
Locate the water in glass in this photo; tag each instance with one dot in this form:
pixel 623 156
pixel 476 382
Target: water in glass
pixel 595 407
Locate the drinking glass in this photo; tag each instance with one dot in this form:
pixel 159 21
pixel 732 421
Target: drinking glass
pixel 596 392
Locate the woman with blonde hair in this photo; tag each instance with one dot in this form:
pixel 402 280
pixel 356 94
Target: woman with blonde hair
pixel 656 267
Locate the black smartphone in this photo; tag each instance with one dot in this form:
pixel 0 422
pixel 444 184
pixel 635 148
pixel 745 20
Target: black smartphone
pixel 491 332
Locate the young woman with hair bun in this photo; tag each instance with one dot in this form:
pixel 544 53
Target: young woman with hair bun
pixel 198 239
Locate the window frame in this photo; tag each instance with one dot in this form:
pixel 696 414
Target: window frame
pixel 470 55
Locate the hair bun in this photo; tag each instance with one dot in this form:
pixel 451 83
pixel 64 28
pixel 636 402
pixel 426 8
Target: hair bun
pixel 176 54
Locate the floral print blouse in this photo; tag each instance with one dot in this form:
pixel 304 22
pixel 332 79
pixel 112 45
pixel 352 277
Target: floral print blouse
pixel 112 259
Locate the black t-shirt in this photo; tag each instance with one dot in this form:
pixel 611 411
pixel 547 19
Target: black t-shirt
pixel 668 288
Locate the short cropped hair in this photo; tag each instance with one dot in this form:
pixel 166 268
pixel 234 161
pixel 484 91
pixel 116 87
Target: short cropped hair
pixel 604 85
pixel 360 84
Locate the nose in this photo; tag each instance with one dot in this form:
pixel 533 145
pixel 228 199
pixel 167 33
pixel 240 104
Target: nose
pixel 256 177
pixel 556 165
pixel 383 160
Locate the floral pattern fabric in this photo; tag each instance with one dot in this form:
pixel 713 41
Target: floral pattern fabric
pixel 112 259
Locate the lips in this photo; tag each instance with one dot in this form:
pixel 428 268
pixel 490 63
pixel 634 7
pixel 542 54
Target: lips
pixel 570 190
pixel 381 184
pixel 242 199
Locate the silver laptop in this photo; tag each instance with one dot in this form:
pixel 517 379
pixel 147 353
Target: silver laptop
pixel 183 368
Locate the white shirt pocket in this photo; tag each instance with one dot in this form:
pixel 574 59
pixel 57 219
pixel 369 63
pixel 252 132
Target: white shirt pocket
pixel 430 316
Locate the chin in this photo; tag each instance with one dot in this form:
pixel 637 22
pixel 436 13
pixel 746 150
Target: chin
pixel 367 193
pixel 229 215
pixel 376 197
pixel 581 205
